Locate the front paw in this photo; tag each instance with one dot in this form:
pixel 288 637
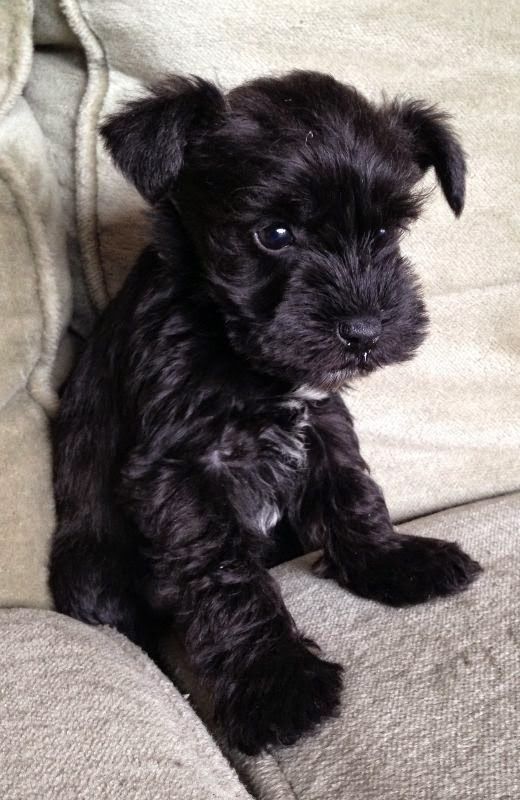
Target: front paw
pixel 283 695
pixel 416 569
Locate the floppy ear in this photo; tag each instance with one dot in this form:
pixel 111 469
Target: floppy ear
pixel 148 138
pixel 435 144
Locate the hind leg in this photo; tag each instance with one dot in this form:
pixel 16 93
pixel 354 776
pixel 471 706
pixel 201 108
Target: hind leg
pixel 95 581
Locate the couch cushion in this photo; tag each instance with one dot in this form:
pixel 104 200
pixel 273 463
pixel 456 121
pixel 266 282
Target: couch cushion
pixel 445 428
pixel 431 707
pixel 61 72
pixel 34 305
pixel 86 715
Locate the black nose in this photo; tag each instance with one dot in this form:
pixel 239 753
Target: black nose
pixel 360 333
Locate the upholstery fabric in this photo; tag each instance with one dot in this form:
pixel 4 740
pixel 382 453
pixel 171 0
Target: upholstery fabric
pixel 445 428
pixel 431 707
pixel 59 73
pixel 86 715
pixel 34 306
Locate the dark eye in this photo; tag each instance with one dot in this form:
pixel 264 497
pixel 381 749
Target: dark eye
pixel 274 237
pixel 381 234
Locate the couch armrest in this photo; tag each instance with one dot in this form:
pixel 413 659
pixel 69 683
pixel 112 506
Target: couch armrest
pixel 86 714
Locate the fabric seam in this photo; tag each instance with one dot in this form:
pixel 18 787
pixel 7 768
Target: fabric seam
pixel 85 168
pixel 22 66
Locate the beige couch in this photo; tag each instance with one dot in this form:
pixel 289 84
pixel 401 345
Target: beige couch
pixel 431 708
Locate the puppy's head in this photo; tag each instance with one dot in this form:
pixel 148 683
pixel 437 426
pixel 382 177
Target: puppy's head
pixel 294 192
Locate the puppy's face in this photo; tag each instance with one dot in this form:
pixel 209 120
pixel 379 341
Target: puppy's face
pixel 295 192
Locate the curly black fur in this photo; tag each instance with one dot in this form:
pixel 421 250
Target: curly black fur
pixel 201 437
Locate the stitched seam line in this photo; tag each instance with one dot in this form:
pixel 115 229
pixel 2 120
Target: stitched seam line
pixel 19 44
pixel 86 171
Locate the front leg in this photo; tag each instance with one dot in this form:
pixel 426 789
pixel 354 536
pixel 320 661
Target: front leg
pixel 267 685
pixel 361 549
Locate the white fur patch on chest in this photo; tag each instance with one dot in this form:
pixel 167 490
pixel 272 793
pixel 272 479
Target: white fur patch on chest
pixel 287 446
pixel 260 460
pixel 309 393
pixel 267 518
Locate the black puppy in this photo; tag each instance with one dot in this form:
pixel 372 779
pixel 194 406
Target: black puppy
pixel 202 429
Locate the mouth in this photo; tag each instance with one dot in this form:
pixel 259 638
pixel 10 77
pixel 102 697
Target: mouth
pixel 363 361
pixel 356 366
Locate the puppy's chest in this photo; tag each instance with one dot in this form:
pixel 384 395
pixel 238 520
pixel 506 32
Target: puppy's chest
pixel 260 458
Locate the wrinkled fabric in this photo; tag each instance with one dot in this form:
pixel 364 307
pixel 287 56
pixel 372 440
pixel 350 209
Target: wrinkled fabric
pixel 34 308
